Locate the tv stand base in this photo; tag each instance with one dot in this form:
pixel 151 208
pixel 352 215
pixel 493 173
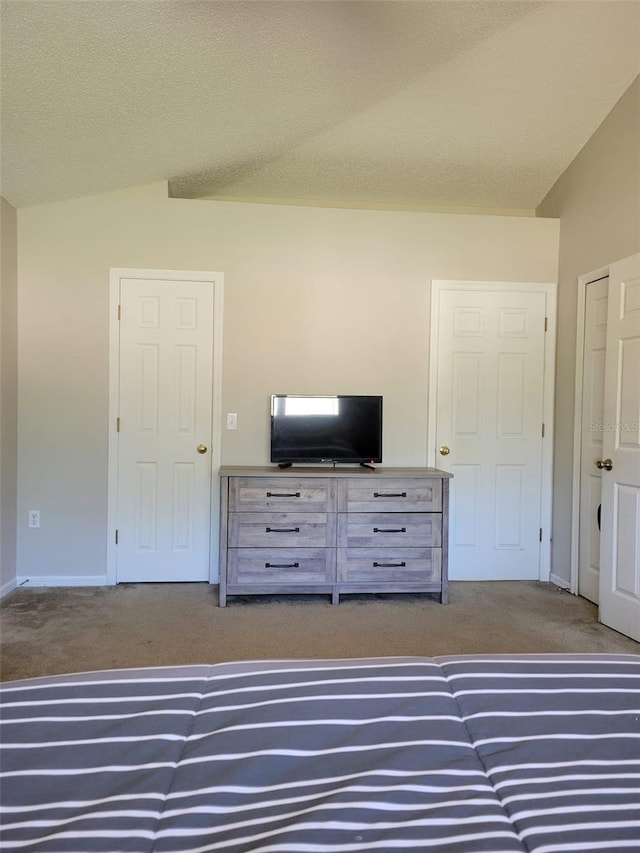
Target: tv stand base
pixel 333 531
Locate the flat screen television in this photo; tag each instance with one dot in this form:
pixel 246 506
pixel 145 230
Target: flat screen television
pixel 343 428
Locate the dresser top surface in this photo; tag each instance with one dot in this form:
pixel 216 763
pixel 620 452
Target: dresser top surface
pixel 308 471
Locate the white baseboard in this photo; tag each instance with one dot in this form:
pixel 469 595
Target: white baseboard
pixel 563 583
pixel 62 580
pixel 8 587
pixel 471 575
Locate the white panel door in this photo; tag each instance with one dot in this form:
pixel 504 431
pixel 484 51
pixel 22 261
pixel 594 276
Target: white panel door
pixel 490 397
pixel 620 544
pixel 595 347
pixel 165 429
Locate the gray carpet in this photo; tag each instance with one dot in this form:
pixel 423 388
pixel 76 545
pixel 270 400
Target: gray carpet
pixel 48 631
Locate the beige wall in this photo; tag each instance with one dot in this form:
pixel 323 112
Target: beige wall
pixel 8 394
pixel 316 300
pixel 598 202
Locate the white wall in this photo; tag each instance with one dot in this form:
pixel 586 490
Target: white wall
pixel 598 202
pixel 316 300
pixel 8 394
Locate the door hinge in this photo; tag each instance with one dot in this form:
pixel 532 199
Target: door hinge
pixel 546 323
pixel 540 534
pixel 543 430
pixel 116 537
pixel 117 424
pixel 119 311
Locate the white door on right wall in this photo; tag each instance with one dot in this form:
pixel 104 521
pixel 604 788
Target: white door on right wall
pixel 595 349
pixel 620 463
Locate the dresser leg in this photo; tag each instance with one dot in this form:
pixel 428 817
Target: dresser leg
pixel 335 596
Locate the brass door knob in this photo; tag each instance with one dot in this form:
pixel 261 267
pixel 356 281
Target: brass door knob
pixel 607 464
pixel 444 450
pixel 202 448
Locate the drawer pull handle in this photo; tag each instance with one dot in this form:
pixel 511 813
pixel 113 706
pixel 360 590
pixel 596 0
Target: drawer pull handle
pixel 389 494
pixel 282 565
pixel 283 494
pixel 389 565
pixel 283 530
pixel 389 529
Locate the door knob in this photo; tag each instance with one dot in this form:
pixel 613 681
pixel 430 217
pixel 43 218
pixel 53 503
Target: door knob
pixel 444 450
pixel 607 464
pixel 202 448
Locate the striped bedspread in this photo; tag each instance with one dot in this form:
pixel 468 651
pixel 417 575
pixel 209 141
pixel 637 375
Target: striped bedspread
pixel 457 754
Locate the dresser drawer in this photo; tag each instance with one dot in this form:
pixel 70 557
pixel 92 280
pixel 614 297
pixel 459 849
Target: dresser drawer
pixel 392 495
pixel 281 530
pixel 389 529
pixel 299 494
pixel 254 566
pixel 397 565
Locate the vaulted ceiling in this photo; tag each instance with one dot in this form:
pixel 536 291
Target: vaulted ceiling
pixel 467 104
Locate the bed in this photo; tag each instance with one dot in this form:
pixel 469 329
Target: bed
pixel 458 754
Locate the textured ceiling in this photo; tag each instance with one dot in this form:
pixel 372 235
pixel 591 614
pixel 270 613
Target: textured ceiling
pixel 433 105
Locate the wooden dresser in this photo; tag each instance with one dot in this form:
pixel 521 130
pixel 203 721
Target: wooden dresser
pixel 333 530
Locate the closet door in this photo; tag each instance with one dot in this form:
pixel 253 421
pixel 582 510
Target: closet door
pixel 592 420
pixel 490 353
pixel 162 450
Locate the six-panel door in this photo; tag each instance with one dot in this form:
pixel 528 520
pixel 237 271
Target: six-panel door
pixel 165 382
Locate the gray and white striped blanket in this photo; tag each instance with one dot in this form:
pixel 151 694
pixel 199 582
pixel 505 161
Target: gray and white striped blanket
pixel 457 754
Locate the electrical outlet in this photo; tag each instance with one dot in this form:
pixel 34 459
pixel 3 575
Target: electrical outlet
pixel 232 420
pixel 34 518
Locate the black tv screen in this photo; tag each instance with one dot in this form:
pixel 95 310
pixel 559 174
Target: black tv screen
pixel 340 428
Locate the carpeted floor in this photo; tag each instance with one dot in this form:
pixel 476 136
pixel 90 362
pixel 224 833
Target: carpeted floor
pixel 52 630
